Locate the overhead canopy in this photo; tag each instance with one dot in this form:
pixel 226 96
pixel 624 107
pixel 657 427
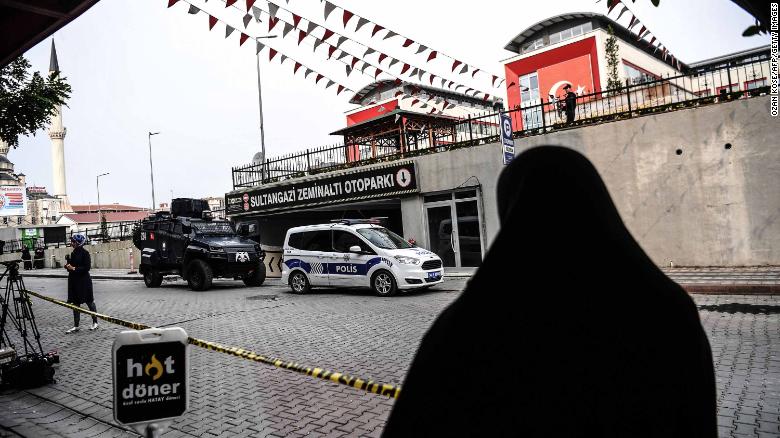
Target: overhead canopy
pixel 25 23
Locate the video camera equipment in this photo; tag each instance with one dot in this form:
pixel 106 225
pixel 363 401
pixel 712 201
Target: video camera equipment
pixel 34 367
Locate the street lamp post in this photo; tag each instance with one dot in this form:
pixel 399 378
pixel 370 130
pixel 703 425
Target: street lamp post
pixel 97 183
pixel 260 105
pixel 151 168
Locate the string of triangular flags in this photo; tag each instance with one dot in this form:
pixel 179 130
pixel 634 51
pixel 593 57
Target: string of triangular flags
pixel 420 48
pixel 350 60
pixel 407 68
pixel 272 53
pixel 644 32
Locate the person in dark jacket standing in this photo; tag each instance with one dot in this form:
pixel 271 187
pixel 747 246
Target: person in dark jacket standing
pixel 27 258
pixel 571 103
pixel 79 281
pixel 588 338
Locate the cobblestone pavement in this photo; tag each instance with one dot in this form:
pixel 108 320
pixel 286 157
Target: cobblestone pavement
pixel 343 330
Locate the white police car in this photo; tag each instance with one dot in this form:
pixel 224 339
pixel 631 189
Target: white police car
pixel 356 253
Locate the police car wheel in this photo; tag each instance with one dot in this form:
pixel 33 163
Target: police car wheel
pixel 199 275
pixel 152 278
pixel 299 283
pixel 383 284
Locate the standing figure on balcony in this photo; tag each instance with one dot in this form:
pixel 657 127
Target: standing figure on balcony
pixel 571 103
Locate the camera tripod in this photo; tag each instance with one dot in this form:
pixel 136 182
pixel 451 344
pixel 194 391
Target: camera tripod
pixel 21 315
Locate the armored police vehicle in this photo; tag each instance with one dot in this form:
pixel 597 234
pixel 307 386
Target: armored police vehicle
pixel 187 242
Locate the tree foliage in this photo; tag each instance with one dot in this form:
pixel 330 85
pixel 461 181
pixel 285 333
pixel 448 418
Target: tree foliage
pixel 27 101
pixel 613 60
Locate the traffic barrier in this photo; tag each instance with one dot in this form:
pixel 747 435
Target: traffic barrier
pixel 384 389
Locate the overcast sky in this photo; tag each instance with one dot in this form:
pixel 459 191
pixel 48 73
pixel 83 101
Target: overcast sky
pixel 137 66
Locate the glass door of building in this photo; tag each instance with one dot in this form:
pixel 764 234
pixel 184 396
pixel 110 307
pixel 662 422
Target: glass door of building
pixel 455 228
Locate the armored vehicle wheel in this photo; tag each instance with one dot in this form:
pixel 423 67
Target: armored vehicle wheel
pixel 199 275
pixel 383 283
pixel 257 277
pixel 299 283
pixel 152 278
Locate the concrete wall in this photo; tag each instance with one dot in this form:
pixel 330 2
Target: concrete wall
pixel 708 206
pixel 111 255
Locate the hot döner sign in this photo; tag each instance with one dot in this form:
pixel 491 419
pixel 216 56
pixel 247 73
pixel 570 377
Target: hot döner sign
pixel 377 182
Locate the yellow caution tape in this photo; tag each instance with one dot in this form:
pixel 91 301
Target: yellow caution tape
pixel 384 389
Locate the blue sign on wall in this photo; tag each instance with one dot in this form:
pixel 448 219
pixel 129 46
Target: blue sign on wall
pixel 507 142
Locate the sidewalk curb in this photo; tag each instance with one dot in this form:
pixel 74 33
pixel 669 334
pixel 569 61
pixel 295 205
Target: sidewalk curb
pixel 732 289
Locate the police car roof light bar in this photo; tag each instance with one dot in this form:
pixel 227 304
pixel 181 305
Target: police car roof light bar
pixel 373 220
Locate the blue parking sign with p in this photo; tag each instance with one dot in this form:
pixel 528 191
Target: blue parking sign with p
pixel 507 142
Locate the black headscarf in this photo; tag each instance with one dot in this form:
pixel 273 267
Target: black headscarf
pixel 567 329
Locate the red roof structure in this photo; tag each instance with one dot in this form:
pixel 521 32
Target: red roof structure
pixel 90 208
pixel 93 218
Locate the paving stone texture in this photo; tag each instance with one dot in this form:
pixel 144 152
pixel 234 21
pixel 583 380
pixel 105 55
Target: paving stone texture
pixel 349 331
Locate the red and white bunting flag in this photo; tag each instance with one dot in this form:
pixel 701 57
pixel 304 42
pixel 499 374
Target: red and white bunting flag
pixel 377 28
pixel 272 9
pixel 634 22
pixel 319 77
pixel 260 47
pixel 474 72
pixel 249 4
pixel 456 64
pixel 339 89
pixel 420 49
pixel 443 81
pixel 242 39
pixel 331 50
pixel 495 78
pixel 307 72
pixel 287 28
pixel 415 101
pixel 342 54
pixel 382 57
pixel 408 42
pixel 193 10
pixel 468 89
pixel 329 7
pixel 341 41
pixel 450 84
pixel 354 61
pixel 212 21
pixel 282 58
pixel 229 3
pixel 609 11
pixel 652 40
pixel 486 97
pixel 430 79
pixel 297 66
pixel 346 17
pixel 432 55
pixel 301 36
pixel 361 22
pixel 511 84
pixel 247 18
pixel 311 27
pixel 414 72
pixel 389 34
pixel 348 69
pixel 397 82
pixel 625 8
pixel 171 2
pixel 405 68
pixel 272 21
pixel 368 52
pixel 398 93
pixel 464 69
pixel 393 62
pixel 257 13
pixel 296 20
pixel 271 54
pixel 328 33
pixel 329 84
pixel 228 30
pixel 317 43
pixel 377 73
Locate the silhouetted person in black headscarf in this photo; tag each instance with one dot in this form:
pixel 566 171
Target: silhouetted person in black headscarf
pixel 567 329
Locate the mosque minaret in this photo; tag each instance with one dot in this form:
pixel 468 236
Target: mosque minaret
pixel 57 135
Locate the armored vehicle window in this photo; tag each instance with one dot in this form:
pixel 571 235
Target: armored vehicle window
pixel 222 228
pixel 316 241
pixel 295 240
pixel 343 240
pixel 150 226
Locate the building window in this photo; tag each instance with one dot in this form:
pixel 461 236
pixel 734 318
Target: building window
pixel 727 88
pixel 756 83
pixel 635 75
pixel 529 89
